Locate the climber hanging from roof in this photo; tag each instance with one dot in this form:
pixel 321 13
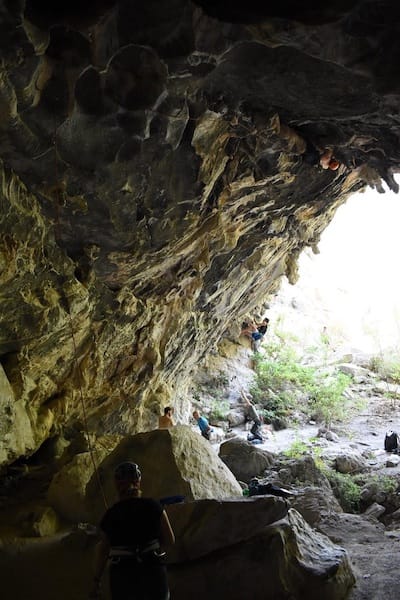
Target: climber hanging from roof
pixel 325 158
pixel 328 161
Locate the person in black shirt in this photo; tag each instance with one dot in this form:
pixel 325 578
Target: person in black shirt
pixel 263 326
pixel 133 532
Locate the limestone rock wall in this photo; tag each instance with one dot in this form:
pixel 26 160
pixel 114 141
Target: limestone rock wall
pixel 156 184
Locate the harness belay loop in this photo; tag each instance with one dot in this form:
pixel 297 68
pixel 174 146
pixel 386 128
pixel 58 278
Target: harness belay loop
pixel 150 553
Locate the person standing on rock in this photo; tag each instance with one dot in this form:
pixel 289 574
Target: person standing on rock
pixel 203 424
pixel 133 532
pixel 165 421
pixel 252 415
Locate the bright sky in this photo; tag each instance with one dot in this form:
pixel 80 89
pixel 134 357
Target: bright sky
pixel 357 272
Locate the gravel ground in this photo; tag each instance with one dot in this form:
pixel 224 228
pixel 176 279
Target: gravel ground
pixel 374 552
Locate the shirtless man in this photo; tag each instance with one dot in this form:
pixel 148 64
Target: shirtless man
pixel 165 421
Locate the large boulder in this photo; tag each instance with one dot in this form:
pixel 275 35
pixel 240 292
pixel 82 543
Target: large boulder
pixel 282 558
pixel 350 463
pixel 243 459
pixel 206 526
pixel 175 461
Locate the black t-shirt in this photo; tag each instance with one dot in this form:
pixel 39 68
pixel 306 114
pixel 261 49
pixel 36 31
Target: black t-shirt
pixel 132 522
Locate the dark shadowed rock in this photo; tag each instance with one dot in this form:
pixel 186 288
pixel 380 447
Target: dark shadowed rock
pixel 293 560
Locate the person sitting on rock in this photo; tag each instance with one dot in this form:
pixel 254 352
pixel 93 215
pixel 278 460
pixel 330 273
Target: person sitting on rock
pixel 203 424
pixel 165 421
pixel 252 415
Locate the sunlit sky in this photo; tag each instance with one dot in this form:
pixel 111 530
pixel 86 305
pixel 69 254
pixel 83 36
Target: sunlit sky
pixel 353 285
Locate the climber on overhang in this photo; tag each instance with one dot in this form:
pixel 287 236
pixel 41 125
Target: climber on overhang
pixel 263 326
pixel 251 330
pixel 328 161
pixel 324 158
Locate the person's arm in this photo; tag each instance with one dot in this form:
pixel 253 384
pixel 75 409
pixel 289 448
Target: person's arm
pixel 100 559
pixel 167 535
pixel 244 396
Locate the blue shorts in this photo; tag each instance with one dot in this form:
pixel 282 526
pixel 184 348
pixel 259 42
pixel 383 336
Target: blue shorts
pixel 256 335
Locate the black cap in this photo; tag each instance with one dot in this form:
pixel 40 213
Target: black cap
pixel 127 471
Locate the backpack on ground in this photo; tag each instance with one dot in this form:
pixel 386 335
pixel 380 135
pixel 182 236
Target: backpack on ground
pixel 391 441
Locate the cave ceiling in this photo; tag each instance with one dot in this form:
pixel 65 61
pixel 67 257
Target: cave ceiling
pixel 159 176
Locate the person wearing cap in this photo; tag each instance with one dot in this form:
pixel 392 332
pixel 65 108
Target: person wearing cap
pixel 134 531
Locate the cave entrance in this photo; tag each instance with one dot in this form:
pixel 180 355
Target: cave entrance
pixel 350 290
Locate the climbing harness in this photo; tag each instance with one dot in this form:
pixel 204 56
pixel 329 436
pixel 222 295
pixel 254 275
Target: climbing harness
pixel 150 553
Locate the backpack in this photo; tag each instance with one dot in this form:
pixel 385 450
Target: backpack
pixel 391 441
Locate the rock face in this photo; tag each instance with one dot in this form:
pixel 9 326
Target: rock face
pixel 159 173
pixel 173 462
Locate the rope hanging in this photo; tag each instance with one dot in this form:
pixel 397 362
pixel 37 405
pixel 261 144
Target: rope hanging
pixel 75 350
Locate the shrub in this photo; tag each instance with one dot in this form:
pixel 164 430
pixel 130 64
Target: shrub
pixel 345 489
pixel 296 450
pixel 327 402
pixel 385 483
pixel 387 366
pixel 280 377
pixel 219 410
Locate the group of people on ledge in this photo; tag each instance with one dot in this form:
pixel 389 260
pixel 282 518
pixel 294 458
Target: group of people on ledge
pixel 165 421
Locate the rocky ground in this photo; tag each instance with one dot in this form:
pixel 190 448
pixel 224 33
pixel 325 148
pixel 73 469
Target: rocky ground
pixel 373 549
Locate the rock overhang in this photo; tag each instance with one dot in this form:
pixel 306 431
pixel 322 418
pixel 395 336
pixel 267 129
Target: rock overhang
pixel 155 186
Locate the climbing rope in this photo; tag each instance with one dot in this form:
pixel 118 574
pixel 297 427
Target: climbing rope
pixel 74 345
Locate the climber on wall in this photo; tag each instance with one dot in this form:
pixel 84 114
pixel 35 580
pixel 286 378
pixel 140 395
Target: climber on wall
pixel 263 326
pixel 255 331
pixel 324 158
pixel 252 415
pixel 328 161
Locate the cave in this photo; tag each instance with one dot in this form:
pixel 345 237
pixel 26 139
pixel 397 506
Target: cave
pixel 162 169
